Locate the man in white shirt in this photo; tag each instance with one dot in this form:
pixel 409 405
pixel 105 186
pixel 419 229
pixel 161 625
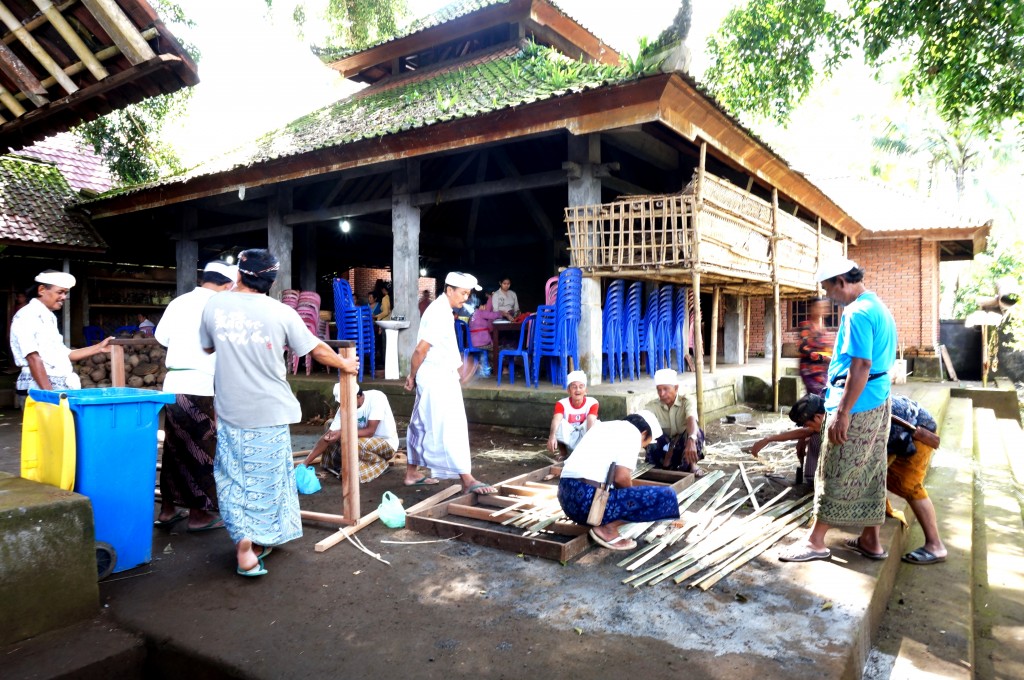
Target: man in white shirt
pixel 37 345
pixel 438 438
pixel 377 432
pixel 190 433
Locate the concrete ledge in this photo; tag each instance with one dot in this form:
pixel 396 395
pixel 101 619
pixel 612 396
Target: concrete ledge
pixel 47 558
pixel 90 650
pixel 1003 401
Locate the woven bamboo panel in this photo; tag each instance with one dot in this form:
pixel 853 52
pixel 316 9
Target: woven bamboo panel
pixel 733 200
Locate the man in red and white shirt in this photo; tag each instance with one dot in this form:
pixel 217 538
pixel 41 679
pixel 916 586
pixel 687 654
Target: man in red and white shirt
pixel 574 415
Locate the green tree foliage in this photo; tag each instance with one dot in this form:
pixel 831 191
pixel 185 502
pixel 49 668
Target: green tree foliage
pixel 351 24
pixel 127 138
pixel 968 54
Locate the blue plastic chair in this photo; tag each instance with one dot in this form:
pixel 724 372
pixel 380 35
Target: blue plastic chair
pixel 611 330
pixel 465 340
pixel 523 351
pixel 93 334
pixel 631 329
pixel 356 324
pixel 129 330
pixel 679 318
pixel 548 343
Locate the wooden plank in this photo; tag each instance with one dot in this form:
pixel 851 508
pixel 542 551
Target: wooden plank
pixel 485 515
pixel 349 439
pixel 537 547
pixel 948 362
pixel 26 81
pixel 117 378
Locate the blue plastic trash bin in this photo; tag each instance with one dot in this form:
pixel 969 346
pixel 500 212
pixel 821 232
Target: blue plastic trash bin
pixel 115 466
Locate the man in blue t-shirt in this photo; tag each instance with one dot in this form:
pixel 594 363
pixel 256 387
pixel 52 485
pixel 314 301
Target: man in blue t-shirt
pixel 850 481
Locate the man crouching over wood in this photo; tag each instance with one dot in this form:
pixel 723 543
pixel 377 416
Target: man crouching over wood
pixel 609 452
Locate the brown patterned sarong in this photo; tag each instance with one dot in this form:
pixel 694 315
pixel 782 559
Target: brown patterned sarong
pixel 374 454
pixel 850 479
pixel 190 443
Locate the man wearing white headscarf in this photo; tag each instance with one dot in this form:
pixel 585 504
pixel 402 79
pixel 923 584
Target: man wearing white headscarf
pixel 682 444
pixel 438 437
pixel 36 343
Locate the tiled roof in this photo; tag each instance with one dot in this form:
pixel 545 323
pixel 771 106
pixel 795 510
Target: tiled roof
pixel 449 12
pixel 500 80
pixel 33 196
pixel 882 207
pixel 79 164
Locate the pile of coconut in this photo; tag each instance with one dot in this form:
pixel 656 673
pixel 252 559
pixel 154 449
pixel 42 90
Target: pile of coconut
pixel 143 367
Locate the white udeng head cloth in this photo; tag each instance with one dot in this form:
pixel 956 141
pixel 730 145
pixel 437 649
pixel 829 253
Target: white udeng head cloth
pixel 834 267
pixel 223 268
pixel 576 376
pixel 460 280
pixel 59 279
pixel 656 430
pixel 666 376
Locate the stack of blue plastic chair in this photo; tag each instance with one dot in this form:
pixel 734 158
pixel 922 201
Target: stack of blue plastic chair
pixel 465 340
pixel 679 313
pixel 611 329
pixel 522 351
pixel 354 323
pixel 649 332
pixel 666 316
pixel 631 328
pixel 547 343
pixel 569 308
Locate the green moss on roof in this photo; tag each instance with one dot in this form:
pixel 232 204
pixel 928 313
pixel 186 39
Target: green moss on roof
pixel 449 12
pixel 502 80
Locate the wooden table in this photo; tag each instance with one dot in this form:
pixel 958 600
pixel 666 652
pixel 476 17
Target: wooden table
pixel 498 329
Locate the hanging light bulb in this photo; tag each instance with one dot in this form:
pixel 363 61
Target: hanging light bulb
pixel 423 271
pixel 346 226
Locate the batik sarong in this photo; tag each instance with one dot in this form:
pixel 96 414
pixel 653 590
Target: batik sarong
pixel 438 436
pixel 850 480
pixel 632 504
pixel 190 444
pixel 255 485
pixel 374 454
pixel 655 452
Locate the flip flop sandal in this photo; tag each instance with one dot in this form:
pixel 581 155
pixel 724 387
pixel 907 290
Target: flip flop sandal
pixel 258 570
pixel 922 556
pixel 216 523
pixel 425 481
pixel 854 545
pixel 178 516
pixel 475 488
pixel 807 555
pixel 619 544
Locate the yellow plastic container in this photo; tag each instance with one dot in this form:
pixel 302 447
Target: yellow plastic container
pixel 48 443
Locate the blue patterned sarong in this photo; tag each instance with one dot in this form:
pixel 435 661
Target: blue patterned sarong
pixel 634 504
pixel 255 486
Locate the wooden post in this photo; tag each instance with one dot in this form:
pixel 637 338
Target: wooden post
pixel 776 304
pixel 349 439
pixel 117 366
pixel 715 299
pixel 817 260
pixel 698 348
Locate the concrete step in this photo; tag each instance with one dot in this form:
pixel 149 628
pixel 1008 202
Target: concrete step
pixel 926 629
pixel 998 567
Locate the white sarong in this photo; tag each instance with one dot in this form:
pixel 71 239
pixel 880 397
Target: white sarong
pixel 438 436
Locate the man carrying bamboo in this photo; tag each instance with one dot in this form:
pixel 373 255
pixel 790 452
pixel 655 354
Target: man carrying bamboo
pixel 850 481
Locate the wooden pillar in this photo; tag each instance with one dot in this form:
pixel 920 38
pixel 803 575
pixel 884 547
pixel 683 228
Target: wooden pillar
pixel 698 348
pixel 186 253
pixel 307 270
pixel 746 327
pixel 349 440
pixel 733 351
pixel 817 260
pixel 776 304
pixel 585 189
pixel 280 239
pixel 405 258
pixel 715 300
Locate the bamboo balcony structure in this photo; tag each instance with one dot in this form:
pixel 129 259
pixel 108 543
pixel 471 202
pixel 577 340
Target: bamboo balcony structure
pixel 713 227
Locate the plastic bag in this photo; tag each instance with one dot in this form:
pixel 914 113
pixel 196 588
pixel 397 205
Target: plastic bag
pixel 305 479
pixel 391 511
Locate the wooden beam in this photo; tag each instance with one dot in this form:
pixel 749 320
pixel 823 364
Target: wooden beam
pixel 72 38
pixel 492 188
pixel 36 50
pixel 644 147
pixel 474 210
pixel 121 30
pixel 340 211
pixel 349 439
pixel 776 305
pixel 715 301
pixel 26 81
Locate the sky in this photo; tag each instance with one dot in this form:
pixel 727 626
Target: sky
pixel 255 76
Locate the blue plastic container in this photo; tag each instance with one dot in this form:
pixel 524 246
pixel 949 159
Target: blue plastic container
pixel 116 442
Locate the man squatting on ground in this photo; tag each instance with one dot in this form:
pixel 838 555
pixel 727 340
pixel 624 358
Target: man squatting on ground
pixel 376 430
pixel 38 347
pixel 253 468
pixel 682 443
pixel 614 443
pixel 438 436
pixel 909 457
pixel 190 434
pixel 850 479
pixel 574 415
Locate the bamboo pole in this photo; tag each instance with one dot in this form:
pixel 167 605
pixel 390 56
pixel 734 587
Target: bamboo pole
pixel 698 348
pixel 776 304
pixel 746 328
pixel 37 51
pixel 817 259
pixel 72 38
